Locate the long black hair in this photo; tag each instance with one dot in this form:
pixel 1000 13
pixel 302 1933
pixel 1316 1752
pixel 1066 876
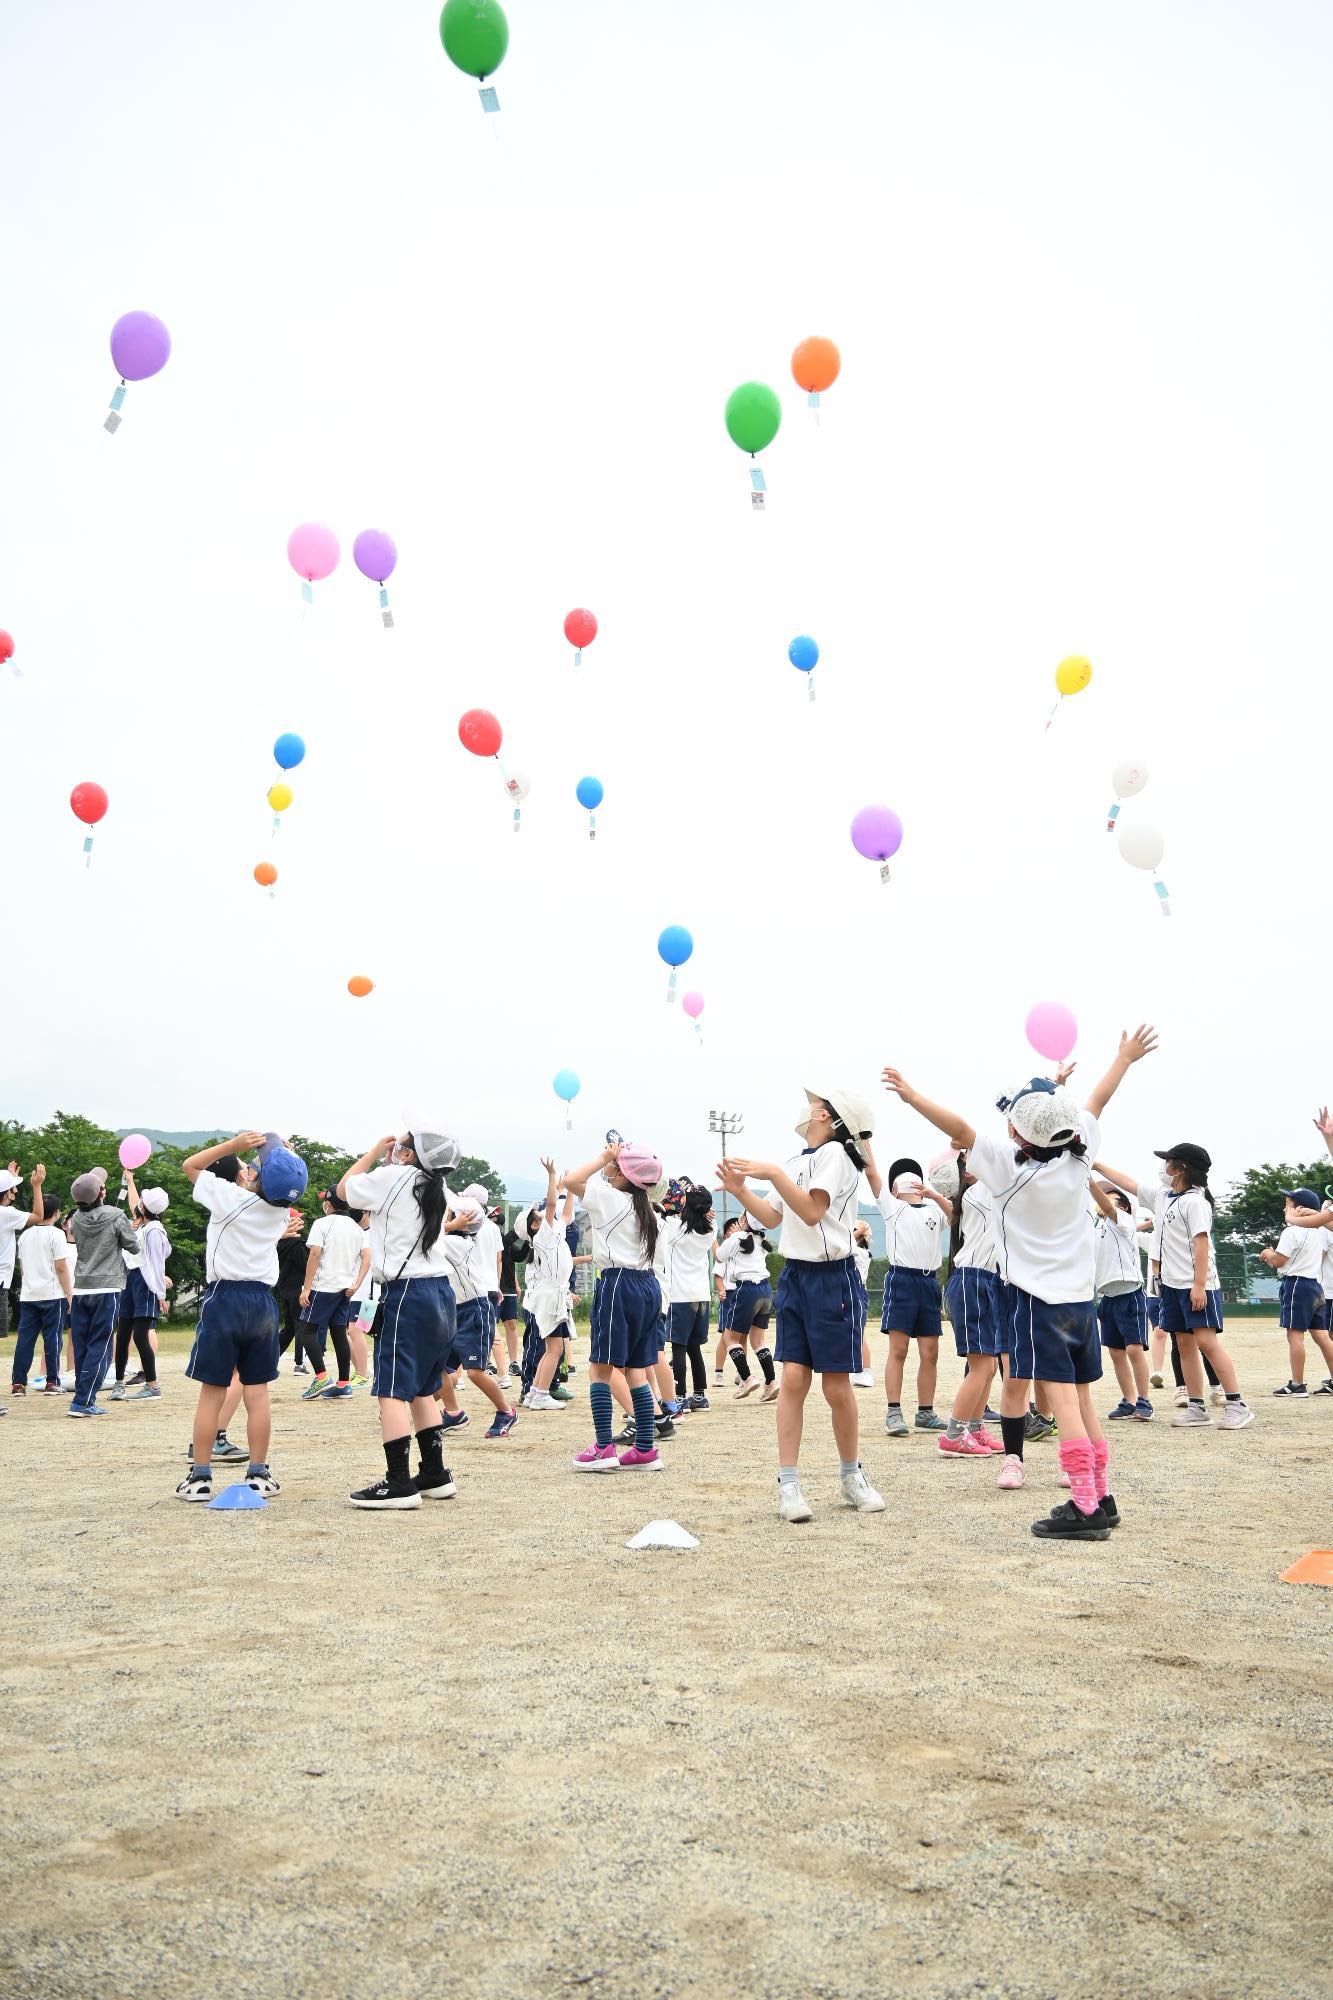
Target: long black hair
pixel 1196 1177
pixel 695 1212
pixel 747 1241
pixel 1076 1148
pixel 339 1206
pixel 842 1137
pixel 646 1217
pixel 430 1192
pixel 956 1218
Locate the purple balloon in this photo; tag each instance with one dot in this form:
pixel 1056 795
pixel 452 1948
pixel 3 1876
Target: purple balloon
pixel 877 832
pixel 140 346
pixel 374 554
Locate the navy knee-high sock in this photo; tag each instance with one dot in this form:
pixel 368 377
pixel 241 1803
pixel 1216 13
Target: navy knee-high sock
pixel 645 1434
pixel 599 1395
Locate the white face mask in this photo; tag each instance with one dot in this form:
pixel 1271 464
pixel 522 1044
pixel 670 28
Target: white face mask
pixel 1165 1178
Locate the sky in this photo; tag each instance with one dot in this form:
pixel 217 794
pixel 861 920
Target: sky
pixel 1075 259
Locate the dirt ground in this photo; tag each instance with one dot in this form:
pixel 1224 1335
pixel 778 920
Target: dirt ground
pixel 484 1749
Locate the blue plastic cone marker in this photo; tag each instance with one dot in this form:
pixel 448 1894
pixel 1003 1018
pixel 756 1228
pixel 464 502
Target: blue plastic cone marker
pixel 239 1495
pixel 113 420
pixel 386 616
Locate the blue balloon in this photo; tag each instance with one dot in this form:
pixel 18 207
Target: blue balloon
pixel 565 1085
pixel 803 653
pixel 289 750
pixel 675 944
pixel 589 793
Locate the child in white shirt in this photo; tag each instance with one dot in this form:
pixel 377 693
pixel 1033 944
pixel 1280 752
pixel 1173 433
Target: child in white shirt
pixel 1299 1257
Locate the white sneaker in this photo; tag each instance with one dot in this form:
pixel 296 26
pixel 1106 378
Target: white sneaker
pixel 863 1379
pixel 1191 1416
pixel 770 1394
pixel 1217 1396
pixel 1182 1396
pixel 506 1381
pixel 1235 1416
pixel 1156 1381
pixel 792 1504
pixel 859 1493
pixel 748 1387
pixel 542 1399
pixel 719 1379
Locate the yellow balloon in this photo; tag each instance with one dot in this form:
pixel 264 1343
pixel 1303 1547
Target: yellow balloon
pixel 1072 675
pixel 280 797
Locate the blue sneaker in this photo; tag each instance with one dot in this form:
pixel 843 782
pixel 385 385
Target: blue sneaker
pixel 504 1423
pixel 452 1421
pixel 339 1389
pixel 1124 1408
pixel 990 1416
pixel 1143 1410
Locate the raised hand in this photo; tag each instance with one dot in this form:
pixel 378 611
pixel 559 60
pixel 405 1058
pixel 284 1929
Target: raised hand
pixel 1133 1048
pixel 895 1081
pixel 1065 1071
pixel 1323 1124
pixel 245 1142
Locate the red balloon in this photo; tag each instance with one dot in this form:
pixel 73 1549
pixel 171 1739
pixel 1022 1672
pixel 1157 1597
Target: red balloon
pixel 6 647
pixel 480 733
pixel 88 802
pixel 580 628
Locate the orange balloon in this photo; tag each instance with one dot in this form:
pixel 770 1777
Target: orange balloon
pixel 815 364
pixel 265 874
pixel 358 986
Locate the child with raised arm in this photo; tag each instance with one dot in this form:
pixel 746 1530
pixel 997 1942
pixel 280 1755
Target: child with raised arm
pixel 914 1216
pixel 1298 1257
pixel 820 1304
pixel 1038 1179
pixel 627 1302
pixel 545 1247
pixel 1122 1303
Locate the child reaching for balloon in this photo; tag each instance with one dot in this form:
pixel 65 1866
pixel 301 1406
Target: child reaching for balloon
pixel 914 1215
pixel 1038 1177
pixel 626 1304
pixel 820 1305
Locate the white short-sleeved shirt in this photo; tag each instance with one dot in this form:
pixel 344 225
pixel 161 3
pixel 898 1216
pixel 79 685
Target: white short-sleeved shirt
pixel 976 1252
pixel 1115 1246
pixel 1304 1252
pixel 828 1241
pixel 1181 1217
pixel 339 1242
pixel 243 1232
pixel 1043 1232
pixel 12 1220
pixel 1326 1268
pixel 683 1261
pixel 551 1260
pixel 387 1195
pixel 487 1245
pixel 40 1250
pixel 911 1232
pixel 739 1266
pixel 617 1239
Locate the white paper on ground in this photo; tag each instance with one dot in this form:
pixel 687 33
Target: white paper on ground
pixel 662 1535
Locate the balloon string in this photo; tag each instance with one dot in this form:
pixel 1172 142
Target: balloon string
pixel 1051 717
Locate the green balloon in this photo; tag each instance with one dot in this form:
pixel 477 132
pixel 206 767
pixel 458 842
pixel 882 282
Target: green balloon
pixel 475 34
pixel 754 416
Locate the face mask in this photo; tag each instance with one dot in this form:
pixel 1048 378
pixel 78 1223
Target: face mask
pixel 1165 1178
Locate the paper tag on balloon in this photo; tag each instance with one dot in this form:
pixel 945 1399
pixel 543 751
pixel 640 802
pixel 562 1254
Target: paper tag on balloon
pixel 112 423
pixel 757 502
pixel 386 619
pixel 757 479
pixel 884 871
pixel 489 100
pixel 307 593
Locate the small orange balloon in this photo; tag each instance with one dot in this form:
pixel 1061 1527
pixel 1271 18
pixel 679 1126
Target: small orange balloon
pixel 815 364
pixel 265 874
pixel 358 986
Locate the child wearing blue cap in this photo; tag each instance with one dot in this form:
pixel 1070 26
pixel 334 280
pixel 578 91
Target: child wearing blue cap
pixel 1298 1256
pixel 237 1334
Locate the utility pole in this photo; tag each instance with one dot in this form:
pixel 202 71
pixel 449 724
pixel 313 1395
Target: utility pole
pixel 725 1125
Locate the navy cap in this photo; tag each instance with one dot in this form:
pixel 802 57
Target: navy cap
pixel 1302 1198
pixel 1189 1155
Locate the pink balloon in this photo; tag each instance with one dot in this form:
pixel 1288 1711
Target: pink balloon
pixel 134 1150
pixel 693 1004
pixel 313 551
pixel 1051 1029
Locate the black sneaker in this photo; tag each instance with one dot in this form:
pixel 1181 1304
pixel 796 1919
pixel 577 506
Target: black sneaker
pixel 702 1402
pixel 1036 1427
pixel 1066 1524
pixel 434 1485
pixel 195 1487
pixel 300 1369
pixel 1292 1389
pixel 1325 1388
pixel 132 1380
pixel 1110 1510
pixel 664 1427
pixel 387 1493
pixel 227 1453
pixel 627 1433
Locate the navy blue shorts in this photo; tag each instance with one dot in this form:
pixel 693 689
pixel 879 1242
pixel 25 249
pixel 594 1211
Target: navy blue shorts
pixel 1154 1309
pixel 911 1303
pixel 1179 1316
pixel 327 1310
pixel 821 1317
pixel 688 1322
pixel 1051 1343
pixel 726 1306
pixel 237 1334
pixel 626 1309
pixel 471 1346
pixel 750 1304
pixel 1320 1324
pixel 136 1301
pixel 974 1310
pixel 1123 1319
pixel 1300 1303
pixel 508 1307
pixel 416 1332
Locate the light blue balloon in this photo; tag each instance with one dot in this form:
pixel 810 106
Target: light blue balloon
pixel 803 653
pixel 589 793
pixel 675 944
pixel 565 1085
pixel 289 750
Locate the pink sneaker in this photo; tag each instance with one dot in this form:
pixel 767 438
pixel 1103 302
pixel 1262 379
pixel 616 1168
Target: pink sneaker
pixel 1064 1480
pixel 961 1447
pixel 635 1460
pixel 987 1439
pixel 1011 1474
pixel 597 1458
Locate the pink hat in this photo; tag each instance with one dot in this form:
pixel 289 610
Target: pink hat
pixel 640 1167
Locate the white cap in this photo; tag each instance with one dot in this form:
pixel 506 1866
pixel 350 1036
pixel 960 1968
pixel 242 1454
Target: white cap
pixel 1043 1113
pixel 465 1206
pixel 434 1146
pixel 155 1200
pixel 8 1181
pixel 477 1193
pixel 856 1112
pixel 942 1174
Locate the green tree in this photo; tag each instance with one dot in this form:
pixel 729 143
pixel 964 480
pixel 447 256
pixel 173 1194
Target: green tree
pixel 1250 1213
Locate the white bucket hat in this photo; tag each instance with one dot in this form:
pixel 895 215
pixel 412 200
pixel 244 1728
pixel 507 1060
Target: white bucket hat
pixel 1042 1112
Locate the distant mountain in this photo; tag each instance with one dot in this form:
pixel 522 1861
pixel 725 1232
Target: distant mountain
pixel 207 1137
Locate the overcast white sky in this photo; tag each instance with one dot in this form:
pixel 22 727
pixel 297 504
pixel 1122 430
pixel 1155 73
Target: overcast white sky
pixel 1077 262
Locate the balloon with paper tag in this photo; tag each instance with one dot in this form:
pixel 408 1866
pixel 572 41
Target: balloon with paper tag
pixel 815 365
pixel 1127 781
pixel 565 1084
pixel 1143 846
pixel 88 802
pixel 134 1149
pixel 877 833
pixel 376 556
pixel 475 35
pixel 674 946
pixel 313 551
pixel 693 1005
pixel 580 630
pixel 754 417
pixel 804 656
pixel 140 348
pixel 589 792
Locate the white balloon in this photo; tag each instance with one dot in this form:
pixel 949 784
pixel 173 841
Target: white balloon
pixel 518 785
pixel 1128 779
pixel 1141 846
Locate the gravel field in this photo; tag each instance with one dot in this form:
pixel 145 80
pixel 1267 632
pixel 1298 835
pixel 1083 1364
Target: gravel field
pixel 484 1749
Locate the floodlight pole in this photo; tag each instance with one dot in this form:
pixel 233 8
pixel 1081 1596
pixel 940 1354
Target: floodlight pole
pixel 725 1125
